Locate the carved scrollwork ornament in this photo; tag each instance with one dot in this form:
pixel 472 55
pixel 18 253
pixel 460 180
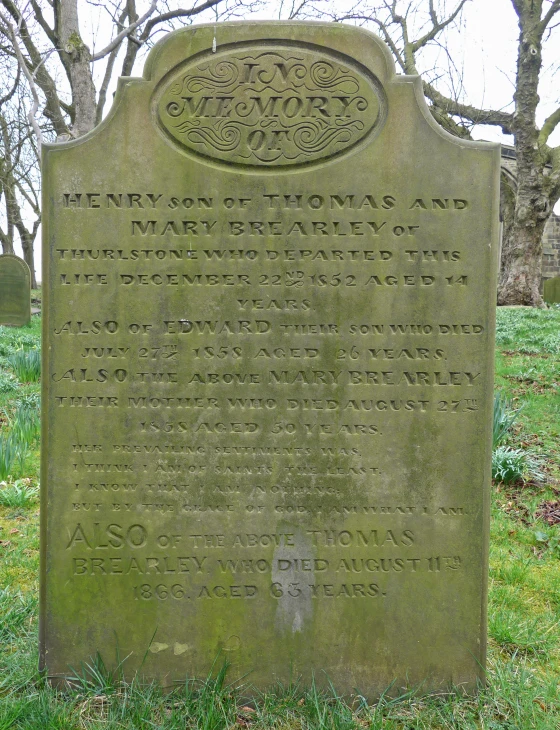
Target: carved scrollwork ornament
pixel 281 107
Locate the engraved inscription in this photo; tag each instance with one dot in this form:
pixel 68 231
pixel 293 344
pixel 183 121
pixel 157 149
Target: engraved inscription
pixel 267 376
pixel 276 107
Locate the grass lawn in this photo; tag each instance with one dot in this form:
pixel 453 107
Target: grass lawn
pixel 523 690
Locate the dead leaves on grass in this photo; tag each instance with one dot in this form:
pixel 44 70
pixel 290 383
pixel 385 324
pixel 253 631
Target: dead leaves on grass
pixel 549 511
pixel 244 718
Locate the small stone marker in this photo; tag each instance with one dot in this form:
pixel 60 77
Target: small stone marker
pixel 551 290
pixel 15 291
pixel 270 326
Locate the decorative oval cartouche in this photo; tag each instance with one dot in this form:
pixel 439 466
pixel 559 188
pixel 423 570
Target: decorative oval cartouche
pixel 270 106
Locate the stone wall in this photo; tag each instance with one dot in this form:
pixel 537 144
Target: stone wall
pixel 551 248
pixel 551 237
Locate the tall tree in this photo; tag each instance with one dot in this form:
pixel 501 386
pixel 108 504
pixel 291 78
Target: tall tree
pixel 45 38
pixel 63 83
pixel 527 202
pixel 19 173
pixel 538 164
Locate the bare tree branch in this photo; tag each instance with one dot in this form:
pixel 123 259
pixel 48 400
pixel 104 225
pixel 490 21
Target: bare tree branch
pixel 117 40
pixel 401 21
pixel 179 13
pixel 49 32
pixel 554 8
pixel 549 126
pixel 53 108
pixel 8 96
pixel 32 115
pixel 109 71
pixel 105 84
pixel 384 30
pixel 133 43
pixel 437 25
pixel 474 115
pixel 32 203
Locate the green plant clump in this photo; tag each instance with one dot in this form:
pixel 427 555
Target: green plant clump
pixel 8 384
pixel 17 338
pixel 504 418
pixel 26 364
pixel 23 435
pixel 18 495
pixel 26 424
pixel 30 400
pixel 508 465
pixel 8 455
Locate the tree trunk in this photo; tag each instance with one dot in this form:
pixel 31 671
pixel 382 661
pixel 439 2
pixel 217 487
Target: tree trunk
pixel 508 187
pixel 520 275
pixel 132 47
pixel 7 244
pixel 522 245
pixel 521 259
pixel 77 60
pixel 27 246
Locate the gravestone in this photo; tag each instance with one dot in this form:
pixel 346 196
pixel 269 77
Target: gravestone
pixel 270 329
pixel 551 290
pixel 15 291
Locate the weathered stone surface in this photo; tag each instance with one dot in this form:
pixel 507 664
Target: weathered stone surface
pixel 15 291
pixel 269 372
pixel 551 290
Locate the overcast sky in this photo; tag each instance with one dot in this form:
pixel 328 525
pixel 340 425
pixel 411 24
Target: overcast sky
pixel 483 47
pixel 488 42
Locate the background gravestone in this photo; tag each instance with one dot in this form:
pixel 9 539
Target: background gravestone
pixel 551 290
pixel 269 339
pixel 15 291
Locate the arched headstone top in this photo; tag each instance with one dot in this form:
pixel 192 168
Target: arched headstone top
pixel 274 94
pixel 174 48
pixel 15 291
